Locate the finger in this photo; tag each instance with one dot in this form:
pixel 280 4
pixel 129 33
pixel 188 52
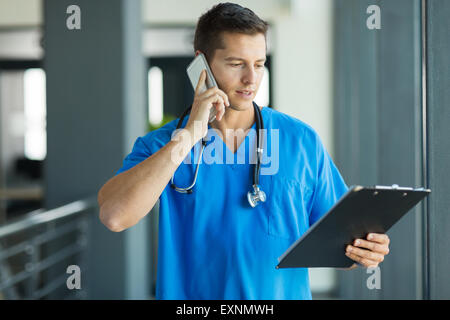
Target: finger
pixel 378 237
pixel 225 98
pixel 220 108
pixel 216 101
pixel 366 254
pixel 209 92
pixel 362 261
pixel 224 95
pixel 373 246
pixel 201 81
pixel 214 90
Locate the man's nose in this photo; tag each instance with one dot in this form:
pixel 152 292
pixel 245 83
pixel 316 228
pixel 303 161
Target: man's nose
pixel 249 76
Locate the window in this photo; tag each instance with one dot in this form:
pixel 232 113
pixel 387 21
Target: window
pixel 35 147
pixel 262 97
pixel 155 96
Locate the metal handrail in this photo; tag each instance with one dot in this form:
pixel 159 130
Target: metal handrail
pixel 28 248
pixel 38 240
pixel 60 255
pixel 47 216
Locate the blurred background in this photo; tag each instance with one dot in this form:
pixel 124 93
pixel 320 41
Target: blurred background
pixel 372 81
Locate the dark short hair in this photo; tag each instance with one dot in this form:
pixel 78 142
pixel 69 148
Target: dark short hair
pixel 225 17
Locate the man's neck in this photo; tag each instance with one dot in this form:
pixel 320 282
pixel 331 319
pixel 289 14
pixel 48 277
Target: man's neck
pixel 235 119
pixel 234 126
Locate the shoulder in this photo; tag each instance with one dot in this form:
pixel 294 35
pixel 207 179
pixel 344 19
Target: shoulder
pixel 156 139
pixel 291 127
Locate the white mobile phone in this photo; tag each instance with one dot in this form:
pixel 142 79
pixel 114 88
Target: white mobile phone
pixel 194 70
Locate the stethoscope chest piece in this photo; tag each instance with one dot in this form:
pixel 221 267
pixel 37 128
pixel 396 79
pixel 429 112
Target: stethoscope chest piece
pixel 256 196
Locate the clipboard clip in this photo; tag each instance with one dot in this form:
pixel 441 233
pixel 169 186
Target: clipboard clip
pixel 393 187
pixel 397 187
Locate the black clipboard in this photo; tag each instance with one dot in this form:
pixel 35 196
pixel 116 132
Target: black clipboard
pixel 361 210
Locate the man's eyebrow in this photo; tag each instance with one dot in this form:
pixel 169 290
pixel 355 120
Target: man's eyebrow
pixel 236 58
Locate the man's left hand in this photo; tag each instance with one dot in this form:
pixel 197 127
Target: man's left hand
pixel 369 253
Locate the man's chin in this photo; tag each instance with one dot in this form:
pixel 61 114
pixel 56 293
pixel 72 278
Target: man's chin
pixel 240 106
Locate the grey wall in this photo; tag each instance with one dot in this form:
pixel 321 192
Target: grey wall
pixel 378 129
pixel 95 111
pixel 438 132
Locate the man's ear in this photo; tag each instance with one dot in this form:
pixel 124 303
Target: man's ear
pixel 197 52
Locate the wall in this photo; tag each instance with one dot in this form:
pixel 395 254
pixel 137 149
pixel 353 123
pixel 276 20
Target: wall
pixel 20 13
pixel 303 66
pixel 438 156
pixel 378 130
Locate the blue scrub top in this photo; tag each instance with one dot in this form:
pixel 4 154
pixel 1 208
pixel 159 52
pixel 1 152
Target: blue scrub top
pixel 212 243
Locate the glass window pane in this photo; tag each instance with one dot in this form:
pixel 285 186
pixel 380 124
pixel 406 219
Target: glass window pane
pixel 35 114
pixel 262 97
pixel 155 96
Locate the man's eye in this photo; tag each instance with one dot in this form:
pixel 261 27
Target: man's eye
pixel 236 65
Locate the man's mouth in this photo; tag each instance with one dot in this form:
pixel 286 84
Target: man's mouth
pixel 245 92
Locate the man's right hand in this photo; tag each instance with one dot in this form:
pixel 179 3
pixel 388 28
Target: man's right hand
pixel 203 103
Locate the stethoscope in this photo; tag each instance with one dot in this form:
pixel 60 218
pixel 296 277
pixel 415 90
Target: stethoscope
pixel 254 196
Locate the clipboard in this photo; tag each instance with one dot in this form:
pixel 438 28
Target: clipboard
pixel 361 210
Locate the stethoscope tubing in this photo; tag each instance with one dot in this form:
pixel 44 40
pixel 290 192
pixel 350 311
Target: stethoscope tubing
pixel 259 151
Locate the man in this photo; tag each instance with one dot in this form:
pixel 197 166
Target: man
pixel 212 243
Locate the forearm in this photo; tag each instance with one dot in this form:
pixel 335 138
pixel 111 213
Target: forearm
pixel 129 196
